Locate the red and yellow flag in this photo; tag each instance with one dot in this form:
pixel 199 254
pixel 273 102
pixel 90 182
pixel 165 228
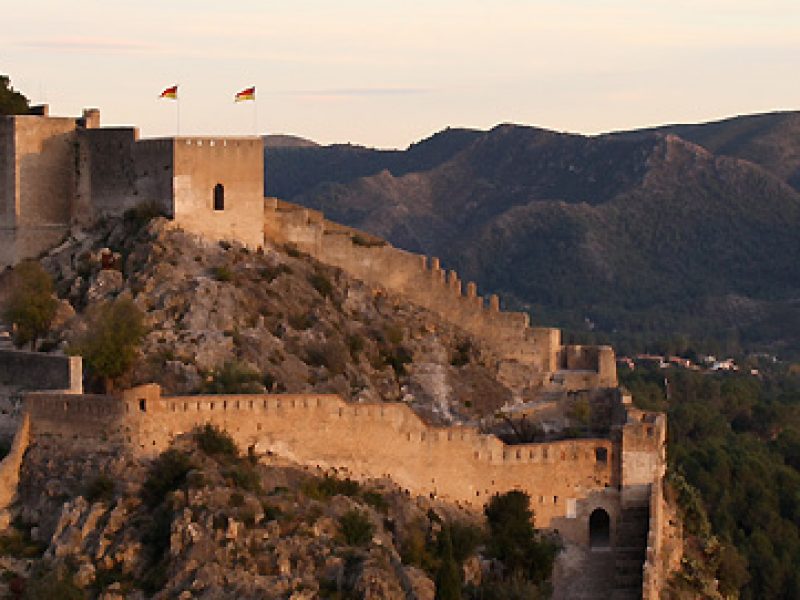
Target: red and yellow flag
pixel 170 92
pixel 246 94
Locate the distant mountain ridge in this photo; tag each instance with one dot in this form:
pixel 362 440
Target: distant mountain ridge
pixel 687 229
pixel 771 140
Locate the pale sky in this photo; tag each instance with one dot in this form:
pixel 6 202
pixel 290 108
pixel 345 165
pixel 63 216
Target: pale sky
pixel 386 74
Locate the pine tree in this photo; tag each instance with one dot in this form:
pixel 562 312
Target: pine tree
pixel 11 101
pixel 448 578
pixel 110 345
pixel 31 305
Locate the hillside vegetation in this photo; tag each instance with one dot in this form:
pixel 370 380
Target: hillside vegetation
pixel 203 520
pixel 220 318
pixel 12 102
pixel 630 237
pixel 736 440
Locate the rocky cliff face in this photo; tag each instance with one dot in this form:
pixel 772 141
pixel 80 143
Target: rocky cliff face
pixel 222 318
pixel 205 522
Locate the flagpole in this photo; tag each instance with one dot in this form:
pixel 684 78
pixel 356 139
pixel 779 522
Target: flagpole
pixel 178 115
pixel 255 117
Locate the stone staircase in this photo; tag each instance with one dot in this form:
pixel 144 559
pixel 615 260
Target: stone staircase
pixel 588 575
pixel 630 553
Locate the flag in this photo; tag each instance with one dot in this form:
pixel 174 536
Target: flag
pixel 170 92
pixel 247 94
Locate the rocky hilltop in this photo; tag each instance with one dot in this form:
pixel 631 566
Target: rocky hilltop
pixel 204 522
pixel 205 519
pixel 219 315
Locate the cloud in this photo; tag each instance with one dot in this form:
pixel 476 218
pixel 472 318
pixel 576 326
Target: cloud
pixel 88 44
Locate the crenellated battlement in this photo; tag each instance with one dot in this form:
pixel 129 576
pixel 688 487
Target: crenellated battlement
pixel 566 479
pixel 424 282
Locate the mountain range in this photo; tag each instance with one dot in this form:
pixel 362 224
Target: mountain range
pixel 683 236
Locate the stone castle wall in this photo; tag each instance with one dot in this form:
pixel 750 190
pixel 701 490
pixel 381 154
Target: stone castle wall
pixel 40 371
pixel 566 479
pixel 8 180
pixel 235 163
pixel 108 172
pixel 424 282
pixel 10 465
pixel 58 172
pixel 36 172
pixel 154 167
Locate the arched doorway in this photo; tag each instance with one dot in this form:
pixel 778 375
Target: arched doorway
pixel 599 529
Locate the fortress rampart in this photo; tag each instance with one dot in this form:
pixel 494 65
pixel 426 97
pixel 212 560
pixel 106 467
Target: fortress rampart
pixel 425 283
pixel 566 479
pixel 10 465
pixel 58 172
pixel 39 371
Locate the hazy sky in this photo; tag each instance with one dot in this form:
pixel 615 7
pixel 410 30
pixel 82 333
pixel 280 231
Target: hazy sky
pixel 389 73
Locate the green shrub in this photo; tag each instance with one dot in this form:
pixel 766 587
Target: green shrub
pixel 245 476
pixel 394 334
pixel 462 354
pixel 195 479
pixel 322 284
pixel 321 488
pixel 271 513
pixel 18 544
pixel 292 251
pixel 110 345
pixel 215 441
pixel 300 321
pixel 376 501
pixel 448 575
pixel 31 304
pixel 100 489
pixel 12 102
pixel 105 577
pixel 355 344
pixel 232 378
pixel 367 242
pixel 269 274
pixel 356 528
pixel 466 538
pixel 141 214
pixel 513 540
pixel 397 358
pixel 330 354
pixel 156 540
pixel 223 273
pixel 55 585
pixel 220 521
pixel 416 549
pixel 167 473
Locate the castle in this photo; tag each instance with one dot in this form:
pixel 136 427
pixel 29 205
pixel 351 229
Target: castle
pixel 60 173
pixel 57 173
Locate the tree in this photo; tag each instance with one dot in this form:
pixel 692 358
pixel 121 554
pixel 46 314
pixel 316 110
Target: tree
pixel 11 101
pixel 111 341
pixel 31 305
pixel 448 578
pixel 514 541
